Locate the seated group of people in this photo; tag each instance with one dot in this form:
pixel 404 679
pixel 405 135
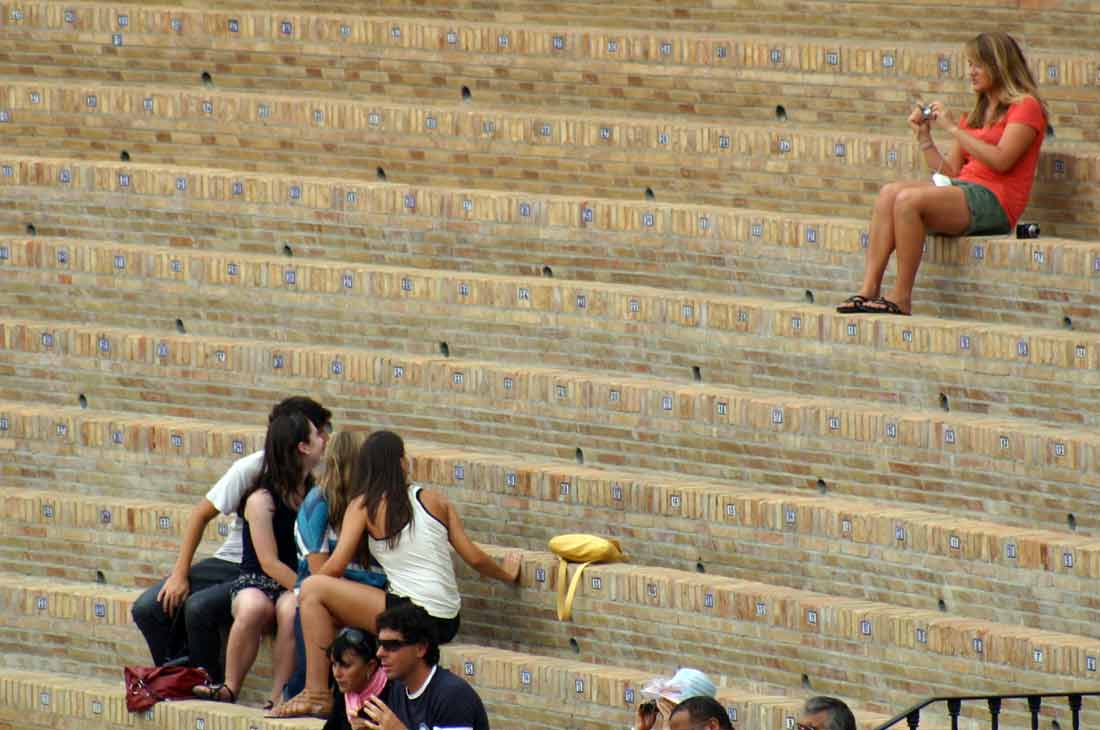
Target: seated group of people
pixel 357 565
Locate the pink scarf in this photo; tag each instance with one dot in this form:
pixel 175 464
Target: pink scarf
pixel 354 701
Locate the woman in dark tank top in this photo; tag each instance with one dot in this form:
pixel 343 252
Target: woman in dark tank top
pixel 263 599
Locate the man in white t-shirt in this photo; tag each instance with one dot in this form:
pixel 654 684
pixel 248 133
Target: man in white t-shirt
pixel 186 614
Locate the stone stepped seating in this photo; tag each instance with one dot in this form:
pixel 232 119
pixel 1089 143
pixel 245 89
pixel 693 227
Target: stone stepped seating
pixel 519 690
pixel 852 83
pixel 783 636
pixel 1040 374
pixel 33 699
pixel 1010 468
pixel 872 507
pixel 753 253
pixel 85 628
pixel 1058 22
pixel 815 171
pixel 834 544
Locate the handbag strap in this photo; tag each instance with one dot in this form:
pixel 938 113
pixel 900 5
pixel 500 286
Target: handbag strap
pixel 565 598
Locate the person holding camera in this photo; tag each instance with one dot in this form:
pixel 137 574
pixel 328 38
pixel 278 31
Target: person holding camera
pixel 665 694
pixel 980 187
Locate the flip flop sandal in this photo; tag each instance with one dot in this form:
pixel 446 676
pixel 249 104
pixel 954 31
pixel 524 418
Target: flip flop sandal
pixel 885 306
pixel 852 305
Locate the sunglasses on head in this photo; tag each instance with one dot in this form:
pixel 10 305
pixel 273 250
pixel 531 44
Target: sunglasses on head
pixel 355 637
pixel 391 645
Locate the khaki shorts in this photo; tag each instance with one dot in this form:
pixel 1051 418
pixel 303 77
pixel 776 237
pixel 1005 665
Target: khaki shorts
pixel 987 217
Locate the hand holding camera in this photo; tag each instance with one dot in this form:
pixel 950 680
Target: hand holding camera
pixel 647 715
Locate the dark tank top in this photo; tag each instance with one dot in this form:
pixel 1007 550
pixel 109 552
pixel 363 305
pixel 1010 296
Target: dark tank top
pixel 283 525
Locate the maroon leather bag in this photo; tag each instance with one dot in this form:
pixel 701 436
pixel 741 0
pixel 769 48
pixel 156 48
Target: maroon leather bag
pixel 146 686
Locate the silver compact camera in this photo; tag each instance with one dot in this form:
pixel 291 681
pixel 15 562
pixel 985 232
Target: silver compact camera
pixel 926 112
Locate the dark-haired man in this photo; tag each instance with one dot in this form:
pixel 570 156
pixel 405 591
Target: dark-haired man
pixel 826 713
pixel 420 694
pixel 699 713
pixel 186 614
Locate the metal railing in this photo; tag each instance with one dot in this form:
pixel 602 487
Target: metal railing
pixel 912 716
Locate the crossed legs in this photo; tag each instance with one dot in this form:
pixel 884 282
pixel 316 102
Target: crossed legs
pixel 904 212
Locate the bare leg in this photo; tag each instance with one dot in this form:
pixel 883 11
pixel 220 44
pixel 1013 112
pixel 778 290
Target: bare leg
pixel 325 604
pixel 917 211
pixel 881 234
pixel 283 654
pixel 253 615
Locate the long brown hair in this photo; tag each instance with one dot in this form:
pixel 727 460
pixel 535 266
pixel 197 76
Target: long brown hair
pixel 380 478
pixel 282 468
pixel 336 482
pixel 1008 70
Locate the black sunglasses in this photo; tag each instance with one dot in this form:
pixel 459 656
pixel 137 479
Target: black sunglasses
pixel 355 637
pixel 392 645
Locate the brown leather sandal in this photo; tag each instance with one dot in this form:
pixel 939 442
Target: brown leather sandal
pixel 307 703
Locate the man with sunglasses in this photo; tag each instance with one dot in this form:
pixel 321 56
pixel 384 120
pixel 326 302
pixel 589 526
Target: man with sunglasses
pixel 699 713
pixel 826 713
pixel 421 694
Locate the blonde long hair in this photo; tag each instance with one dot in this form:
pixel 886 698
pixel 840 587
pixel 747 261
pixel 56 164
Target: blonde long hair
pixel 1008 70
pixel 336 482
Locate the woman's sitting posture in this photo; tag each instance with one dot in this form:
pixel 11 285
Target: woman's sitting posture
pixel 263 596
pixel 980 187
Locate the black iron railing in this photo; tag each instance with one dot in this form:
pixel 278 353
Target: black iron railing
pixel 912 716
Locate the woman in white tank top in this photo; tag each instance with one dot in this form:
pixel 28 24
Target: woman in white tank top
pixel 411 531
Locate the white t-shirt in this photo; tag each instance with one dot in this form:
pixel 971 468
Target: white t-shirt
pixel 226 496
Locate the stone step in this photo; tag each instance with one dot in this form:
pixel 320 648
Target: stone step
pixel 1005 371
pixel 1005 469
pixel 904 21
pixel 530 71
pixel 351 35
pixel 1001 468
pixel 1010 468
pixel 778 638
pixel 891 656
pixel 791 257
pixel 834 544
pixel 93 624
pixel 827 171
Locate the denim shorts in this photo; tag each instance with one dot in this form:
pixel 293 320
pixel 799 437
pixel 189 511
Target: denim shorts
pixel 987 217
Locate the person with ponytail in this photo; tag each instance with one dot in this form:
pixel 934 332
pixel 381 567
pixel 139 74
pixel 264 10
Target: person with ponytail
pixel 980 186
pixel 410 532
pixel 263 598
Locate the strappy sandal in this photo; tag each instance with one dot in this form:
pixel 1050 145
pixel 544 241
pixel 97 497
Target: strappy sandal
pixel 852 305
pixel 883 305
pixel 213 693
pixel 307 703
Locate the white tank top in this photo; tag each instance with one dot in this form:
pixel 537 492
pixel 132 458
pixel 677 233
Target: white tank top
pixel 419 567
